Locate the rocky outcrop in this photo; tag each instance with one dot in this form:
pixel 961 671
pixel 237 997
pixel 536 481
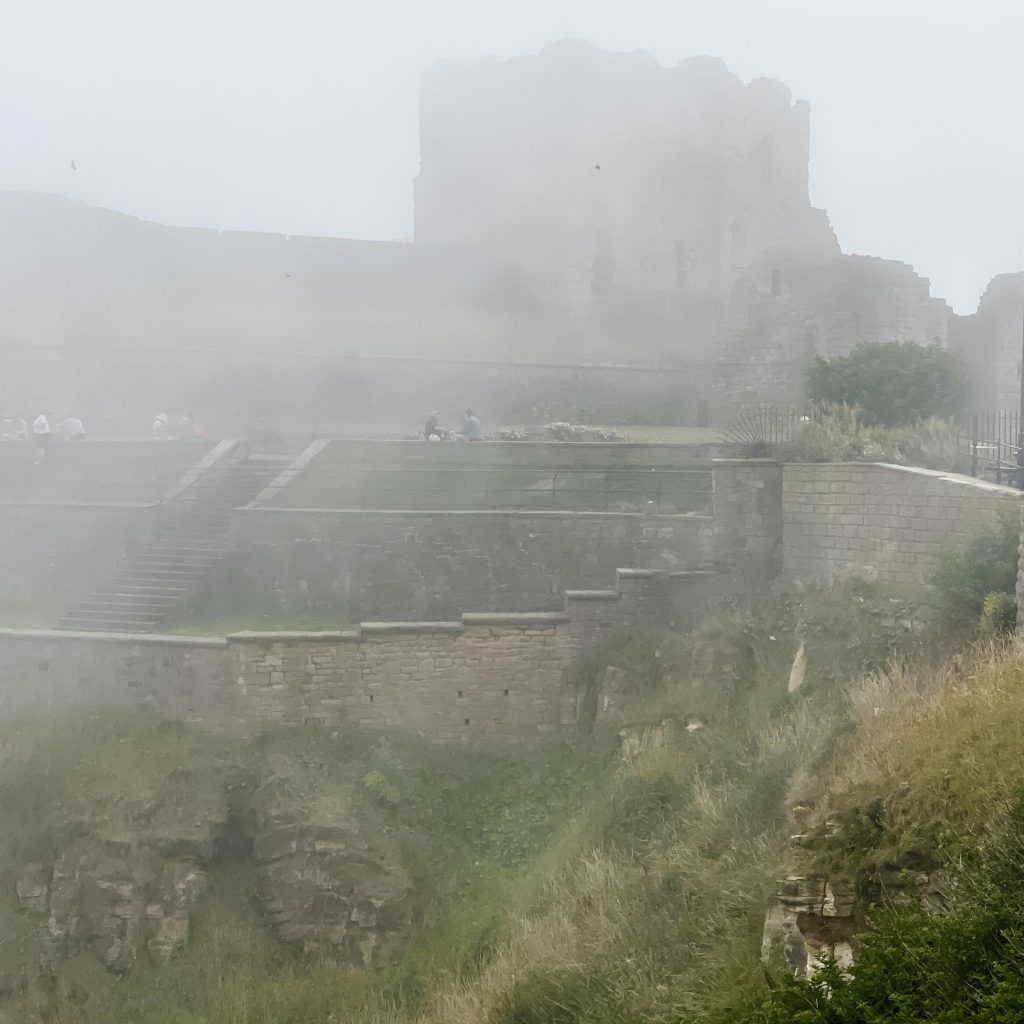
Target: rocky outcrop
pixel 815 918
pixel 126 895
pixel 332 887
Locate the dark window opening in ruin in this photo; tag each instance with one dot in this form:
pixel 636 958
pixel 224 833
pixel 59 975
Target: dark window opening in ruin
pixel 466 721
pixel 460 694
pixel 601 273
pixel 682 264
pixel 776 282
pixel 766 154
pixel 371 698
pixel 506 692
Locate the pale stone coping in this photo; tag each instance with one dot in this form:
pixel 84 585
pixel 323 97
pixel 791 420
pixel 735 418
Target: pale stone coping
pixel 285 634
pixel 220 451
pixel 69 503
pixel 648 574
pixel 593 595
pixel 289 473
pixel 660 446
pixel 506 512
pixel 410 627
pixel 753 462
pixel 930 474
pixel 458 361
pixel 514 618
pixel 165 639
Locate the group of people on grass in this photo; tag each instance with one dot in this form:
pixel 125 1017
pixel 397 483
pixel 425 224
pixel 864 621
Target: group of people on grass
pixel 471 431
pixel 42 433
pixel 184 428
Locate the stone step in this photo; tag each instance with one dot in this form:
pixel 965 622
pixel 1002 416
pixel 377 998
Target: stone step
pixel 142 602
pixel 158 588
pixel 99 615
pixel 135 567
pixel 171 562
pixel 201 556
pixel 101 626
pixel 203 543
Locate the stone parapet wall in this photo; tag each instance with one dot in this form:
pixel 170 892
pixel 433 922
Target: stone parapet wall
pixel 896 521
pixel 487 679
pixel 410 565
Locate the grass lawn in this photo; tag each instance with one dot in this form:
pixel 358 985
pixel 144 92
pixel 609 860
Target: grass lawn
pixel 671 435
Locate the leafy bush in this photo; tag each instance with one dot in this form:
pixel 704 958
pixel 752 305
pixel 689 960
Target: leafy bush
pixel 999 614
pixel 963 580
pixel 894 384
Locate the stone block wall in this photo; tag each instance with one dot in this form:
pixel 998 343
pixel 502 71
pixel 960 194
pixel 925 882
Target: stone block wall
pixel 430 565
pixel 896 521
pixel 747 497
pixel 486 679
pixel 184 678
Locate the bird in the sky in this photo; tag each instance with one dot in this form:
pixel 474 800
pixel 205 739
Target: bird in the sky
pixel 74 166
pixel 597 167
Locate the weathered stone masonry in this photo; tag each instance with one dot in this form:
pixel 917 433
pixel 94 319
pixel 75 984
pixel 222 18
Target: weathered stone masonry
pixel 898 520
pixel 814 519
pixel 493 680
pixel 428 565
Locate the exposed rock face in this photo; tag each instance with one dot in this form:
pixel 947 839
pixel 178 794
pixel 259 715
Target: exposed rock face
pixel 119 906
pixel 813 919
pixel 331 887
pixel 816 918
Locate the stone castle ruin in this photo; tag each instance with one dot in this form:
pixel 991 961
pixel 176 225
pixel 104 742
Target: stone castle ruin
pixel 597 237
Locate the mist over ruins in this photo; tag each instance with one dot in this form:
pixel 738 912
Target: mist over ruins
pixel 581 218
pixel 517 624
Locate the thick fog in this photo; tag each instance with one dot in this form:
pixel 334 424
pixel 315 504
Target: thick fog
pixel 302 117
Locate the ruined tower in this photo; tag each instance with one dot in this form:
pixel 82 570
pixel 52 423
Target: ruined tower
pixel 620 172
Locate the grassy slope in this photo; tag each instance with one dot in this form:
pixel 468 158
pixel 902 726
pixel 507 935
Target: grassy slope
pixel 573 887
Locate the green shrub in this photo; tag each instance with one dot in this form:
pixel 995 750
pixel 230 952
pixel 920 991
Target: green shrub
pixel 999 614
pixel 964 579
pixel 894 384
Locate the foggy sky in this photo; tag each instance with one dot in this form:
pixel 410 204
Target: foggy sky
pixel 301 115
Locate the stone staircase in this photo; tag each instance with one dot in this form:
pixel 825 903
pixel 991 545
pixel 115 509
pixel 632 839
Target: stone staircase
pixel 171 566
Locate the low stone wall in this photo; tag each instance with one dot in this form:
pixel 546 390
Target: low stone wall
pixel 492 680
pixel 429 565
pixel 895 520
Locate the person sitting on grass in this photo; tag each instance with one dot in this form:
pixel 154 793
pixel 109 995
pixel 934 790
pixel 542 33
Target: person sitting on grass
pixel 471 427
pixel 432 428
